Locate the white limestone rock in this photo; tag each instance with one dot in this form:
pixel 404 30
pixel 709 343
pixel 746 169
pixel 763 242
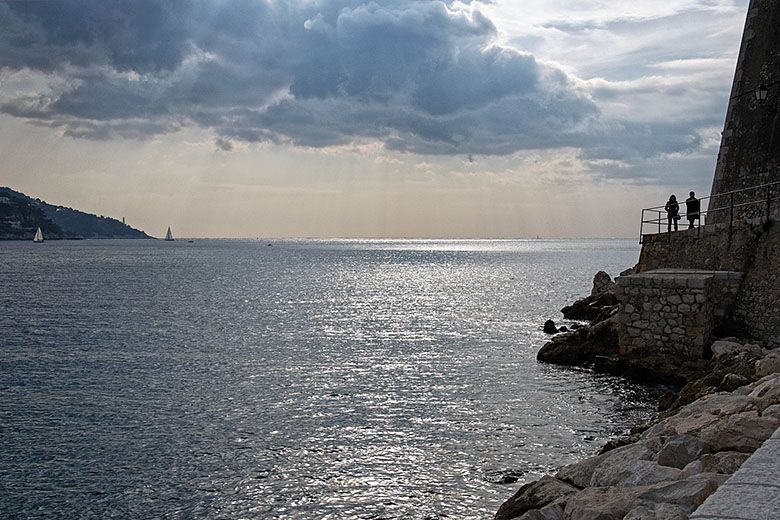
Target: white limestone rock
pixel 534 495
pixel 581 473
pixel 653 511
pixel 681 450
pixel 552 511
pixel 724 462
pixel 689 493
pixel 772 411
pixel 743 432
pixel 770 364
pixel 700 414
pixel 693 468
pixel 602 503
pixel 631 473
pixel 766 391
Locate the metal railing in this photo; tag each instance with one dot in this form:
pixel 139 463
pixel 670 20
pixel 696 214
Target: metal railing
pixel 752 202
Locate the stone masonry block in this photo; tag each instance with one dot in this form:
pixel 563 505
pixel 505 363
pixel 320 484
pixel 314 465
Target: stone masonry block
pixel 697 283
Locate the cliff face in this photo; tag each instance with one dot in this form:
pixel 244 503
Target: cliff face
pixel 750 146
pixel 21 215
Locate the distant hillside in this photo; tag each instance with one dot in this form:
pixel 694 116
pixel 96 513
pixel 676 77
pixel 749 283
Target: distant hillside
pixel 21 215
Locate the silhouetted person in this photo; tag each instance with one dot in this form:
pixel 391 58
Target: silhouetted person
pixel 692 209
pixel 672 212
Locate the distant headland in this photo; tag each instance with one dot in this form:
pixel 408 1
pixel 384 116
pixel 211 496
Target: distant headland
pixel 21 215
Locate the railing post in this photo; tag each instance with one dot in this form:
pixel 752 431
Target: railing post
pixel 731 213
pixel 659 221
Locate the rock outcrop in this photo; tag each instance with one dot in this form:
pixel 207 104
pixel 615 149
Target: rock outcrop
pixel 588 344
pixel 727 406
pixel 597 345
pixel 668 467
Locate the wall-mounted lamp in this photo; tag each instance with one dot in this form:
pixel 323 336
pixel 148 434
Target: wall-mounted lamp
pixel 761 92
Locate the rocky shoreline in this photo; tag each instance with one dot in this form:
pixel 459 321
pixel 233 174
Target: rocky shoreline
pixel 728 405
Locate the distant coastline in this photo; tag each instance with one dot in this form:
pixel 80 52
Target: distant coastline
pixel 21 215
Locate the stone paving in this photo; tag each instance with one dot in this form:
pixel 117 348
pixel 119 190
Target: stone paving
pixel 752 493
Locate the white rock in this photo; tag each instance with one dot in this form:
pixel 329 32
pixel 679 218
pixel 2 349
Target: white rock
pixel 724 462
pixel 772 411
pixel 689 493
pixel 632 473
pixel 653 511
pixel 603 503
pixel 693 468
pixel 679 451
pixel 769 365
pixel 722 347
pixel 552 511
pixel 743 432
pixel 581 473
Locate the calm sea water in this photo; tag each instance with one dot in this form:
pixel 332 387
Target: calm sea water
pixel 302 380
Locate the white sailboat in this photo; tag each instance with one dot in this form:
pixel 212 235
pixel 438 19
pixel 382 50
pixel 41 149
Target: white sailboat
pixel 169 235
pixel 38 236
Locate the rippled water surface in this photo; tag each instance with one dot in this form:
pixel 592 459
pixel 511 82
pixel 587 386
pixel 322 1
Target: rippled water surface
pixel 306 379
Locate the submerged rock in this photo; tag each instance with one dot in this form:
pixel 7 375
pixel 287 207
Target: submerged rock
pixel 507 476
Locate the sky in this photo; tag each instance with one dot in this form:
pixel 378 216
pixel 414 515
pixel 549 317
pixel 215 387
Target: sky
pixel 358 119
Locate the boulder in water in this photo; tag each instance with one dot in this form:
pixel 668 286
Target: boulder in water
pixel 549 327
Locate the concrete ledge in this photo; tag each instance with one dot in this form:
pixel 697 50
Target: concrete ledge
pixel 752 493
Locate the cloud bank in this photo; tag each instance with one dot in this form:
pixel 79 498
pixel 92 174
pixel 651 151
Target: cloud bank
pixel 424 77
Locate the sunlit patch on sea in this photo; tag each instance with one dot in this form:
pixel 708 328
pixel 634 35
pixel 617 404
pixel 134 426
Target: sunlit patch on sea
pixel 310 379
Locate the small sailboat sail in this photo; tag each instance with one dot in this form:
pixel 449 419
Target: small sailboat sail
pixel 169 235
pixel 38 236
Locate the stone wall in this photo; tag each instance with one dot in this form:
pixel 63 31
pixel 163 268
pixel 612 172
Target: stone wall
pixel 711 247
pixel 672 312
pixel 757 309
pixel 750 145
pixel 751 247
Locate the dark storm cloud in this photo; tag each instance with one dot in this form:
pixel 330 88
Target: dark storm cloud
pixel 419 76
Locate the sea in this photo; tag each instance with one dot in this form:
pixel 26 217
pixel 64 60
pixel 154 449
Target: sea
pixel 294 379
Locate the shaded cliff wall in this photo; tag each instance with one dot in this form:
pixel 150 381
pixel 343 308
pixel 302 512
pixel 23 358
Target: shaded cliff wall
pixel 750 146
pixel 752 248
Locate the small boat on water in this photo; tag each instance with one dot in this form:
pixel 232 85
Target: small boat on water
pixel 169 235
pixel 38 236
